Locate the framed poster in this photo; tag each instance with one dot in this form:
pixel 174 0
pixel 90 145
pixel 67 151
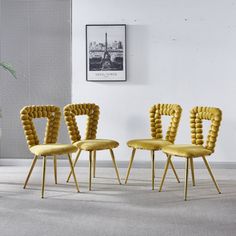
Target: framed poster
pixel 106 52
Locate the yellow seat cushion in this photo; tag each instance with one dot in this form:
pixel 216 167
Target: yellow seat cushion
pixel 186 150
pixel 52 149
pixel 96 144
pixel 148 144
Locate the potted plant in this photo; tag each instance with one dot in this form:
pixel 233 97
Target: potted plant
pixel 11 70
pixel 8 68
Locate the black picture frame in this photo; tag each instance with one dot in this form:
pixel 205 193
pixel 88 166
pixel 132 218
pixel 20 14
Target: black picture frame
pixel 106 53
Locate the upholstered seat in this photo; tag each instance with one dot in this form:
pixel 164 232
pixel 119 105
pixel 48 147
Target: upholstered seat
pixel 52 149
pixel 186 150
pixel 148 144
pixel 96 144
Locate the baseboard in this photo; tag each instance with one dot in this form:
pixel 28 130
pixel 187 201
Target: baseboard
pixel 121 164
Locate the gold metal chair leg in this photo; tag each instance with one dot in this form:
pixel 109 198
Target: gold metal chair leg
pixel 130 165
pixel 55 168
pixel 210 172
pixel 44 172
pixel 175 173
pixel 192 170
pixel 73 172
pixel 30 171
pixel 186 179
pixel 165 171
pixel 153 168
pixel 90 170
pixel 76 159
pixel 115 166
pixel 94 163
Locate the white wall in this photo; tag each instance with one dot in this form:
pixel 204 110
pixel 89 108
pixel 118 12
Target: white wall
pixel 177 52
pixel 36 39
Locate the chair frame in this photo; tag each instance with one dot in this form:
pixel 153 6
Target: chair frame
pixel 92 111
pixel 197 115
pixel 156 112
pixel 53 114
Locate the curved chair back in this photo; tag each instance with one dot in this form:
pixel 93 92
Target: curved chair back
pixel 73 110
pixel 197 115
pixel 52 113
pixel 156 112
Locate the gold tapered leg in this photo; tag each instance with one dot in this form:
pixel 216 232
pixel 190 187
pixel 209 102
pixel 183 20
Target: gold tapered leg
pixel 76 159
pixel 73 172
pixel 186 179
pixel 94 163
pixel 130 165
pixel 55 168
pixel 210 172
pixel 192 170
pixel 44 172
pixel 114 163
pixel 30 171
pixel 90 170
pixel 153 168
pixel 175 173
pixel 165 171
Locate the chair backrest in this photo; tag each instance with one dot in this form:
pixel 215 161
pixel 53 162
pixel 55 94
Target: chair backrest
pixel 73 110
pixel 197 115
pixel 156 112
pixel 53 115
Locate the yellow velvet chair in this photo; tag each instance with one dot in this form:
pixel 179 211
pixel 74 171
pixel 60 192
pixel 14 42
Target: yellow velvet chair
pixel 157 142
pixel 50 147
pixel 90 143
pixel 197 148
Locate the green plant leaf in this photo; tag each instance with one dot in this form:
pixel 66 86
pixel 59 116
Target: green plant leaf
pixel 8 68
